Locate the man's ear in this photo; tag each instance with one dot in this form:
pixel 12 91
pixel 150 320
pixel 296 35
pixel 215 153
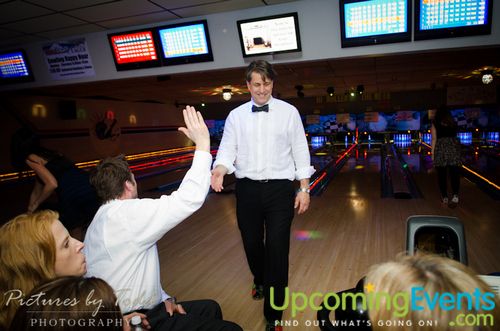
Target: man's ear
pixel 128 186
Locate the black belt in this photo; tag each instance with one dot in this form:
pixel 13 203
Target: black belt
pixel 262 180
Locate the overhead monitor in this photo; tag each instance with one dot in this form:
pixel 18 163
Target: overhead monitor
pixel 452 18
pixel 372 22
pixel 185 43
pixel 134 50
pixel 14 67
pixel 269 35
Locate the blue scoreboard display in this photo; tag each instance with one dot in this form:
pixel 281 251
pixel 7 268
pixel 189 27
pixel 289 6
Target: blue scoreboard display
pixel 443 14
pixel 376 17
pixel 184 41
pixel 13 65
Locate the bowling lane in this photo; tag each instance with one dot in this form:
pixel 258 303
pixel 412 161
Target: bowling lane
pixel 154 171
pixel 347 228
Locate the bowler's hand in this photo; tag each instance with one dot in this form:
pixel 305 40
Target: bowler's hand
pixel 172 307
pixel 196 129
pixel 218 178
pixel 302 201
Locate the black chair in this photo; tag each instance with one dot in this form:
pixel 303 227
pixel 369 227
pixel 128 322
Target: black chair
pixel 442 235
pixel 349 319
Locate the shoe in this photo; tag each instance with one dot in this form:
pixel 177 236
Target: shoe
pixel 257 292
pixel 444 200
pixel 454 201
pixel 272 327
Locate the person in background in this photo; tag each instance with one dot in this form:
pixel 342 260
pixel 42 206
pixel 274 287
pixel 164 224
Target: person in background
pixel 76 304
pixel 264 144
pixel 438 278
pixel 120 243
pixel 77 200
pixel 446 154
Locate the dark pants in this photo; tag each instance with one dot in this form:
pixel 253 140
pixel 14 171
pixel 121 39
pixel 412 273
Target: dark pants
pixel 442 173
pixel 265 212
pixel 202 315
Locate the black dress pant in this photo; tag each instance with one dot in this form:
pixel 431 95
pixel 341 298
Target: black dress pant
pixel 265 212
pixel 442 173
pixel 202 315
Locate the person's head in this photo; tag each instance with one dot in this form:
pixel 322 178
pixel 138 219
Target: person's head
pixel 113 179
pixel 434 277
pixel 76 303
pixel 260 77
pixel 33 248
pixel 443 117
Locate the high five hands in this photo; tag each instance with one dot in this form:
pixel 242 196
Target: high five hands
pixel 196 129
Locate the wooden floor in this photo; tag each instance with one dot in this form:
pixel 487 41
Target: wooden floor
pixel 203 257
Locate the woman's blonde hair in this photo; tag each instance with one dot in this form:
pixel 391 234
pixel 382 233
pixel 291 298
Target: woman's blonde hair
pixel 433 275
pixel 27 257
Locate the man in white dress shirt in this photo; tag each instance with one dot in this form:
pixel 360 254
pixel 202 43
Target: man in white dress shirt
pixel 120 243
pixel 264 144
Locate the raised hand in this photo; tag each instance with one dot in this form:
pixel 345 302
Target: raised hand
pixel 196 129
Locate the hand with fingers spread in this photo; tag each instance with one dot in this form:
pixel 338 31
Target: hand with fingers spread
pixel 196 129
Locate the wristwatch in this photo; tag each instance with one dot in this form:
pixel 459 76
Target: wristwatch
pixel 304 189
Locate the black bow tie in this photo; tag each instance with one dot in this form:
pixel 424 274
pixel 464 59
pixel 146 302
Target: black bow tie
pixel 262 108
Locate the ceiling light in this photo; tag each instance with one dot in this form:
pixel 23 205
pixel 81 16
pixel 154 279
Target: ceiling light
pixel 226 94
pixel 330 91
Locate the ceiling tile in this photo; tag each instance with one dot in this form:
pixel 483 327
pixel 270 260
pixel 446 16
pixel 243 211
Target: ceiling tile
pixel 138 20
pixel 44 23
pixel 115 10
pixel 7 34
pixel 71 31
pixel 218 7
pixel 17 10
pixel 59 5
pixel 172 4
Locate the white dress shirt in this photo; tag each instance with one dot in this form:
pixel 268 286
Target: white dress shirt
pixel 265 145
pixel 120 244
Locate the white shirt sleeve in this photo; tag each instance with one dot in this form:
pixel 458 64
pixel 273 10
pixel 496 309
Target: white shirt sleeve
pixel 228 148
pixel 149 219
pixel 300 150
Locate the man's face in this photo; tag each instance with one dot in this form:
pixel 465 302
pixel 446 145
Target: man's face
pixel 260 88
